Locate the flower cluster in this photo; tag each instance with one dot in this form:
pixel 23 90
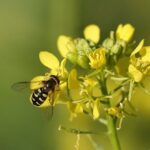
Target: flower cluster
pixel 92 63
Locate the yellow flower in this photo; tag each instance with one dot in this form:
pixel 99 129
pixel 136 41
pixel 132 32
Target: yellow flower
pixel 56 68
pixel 97 58
pixel 90 87
pixel 125 32
pixel 90 82
pixel 81 95
pixel 75 102
pixel 52 62
pixel 140 62
pixel 76 50
pixel 74 87
pixel 114 111
pixel 92 33
pixel 66 44
pixel 75 109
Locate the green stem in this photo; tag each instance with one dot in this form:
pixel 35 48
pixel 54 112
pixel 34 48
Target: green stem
pixel 111 126
pixel 111 121
pixel 94 73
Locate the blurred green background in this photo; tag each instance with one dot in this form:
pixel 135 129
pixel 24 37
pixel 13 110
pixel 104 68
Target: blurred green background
pixel 28 26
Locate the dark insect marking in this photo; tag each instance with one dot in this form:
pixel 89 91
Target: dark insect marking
pixel 137 55
pixel 39 98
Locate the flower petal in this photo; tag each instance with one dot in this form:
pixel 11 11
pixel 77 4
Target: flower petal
pixel 63 95
pixel 146 57
pixel 63 70
pixel 138 48
pixel 96 109
pixel 97 58
pixel 73 82
pixel 74 88
pixel 91 82
pixel 92 32
pixel 75 108
pixel 136 74
pixel 62 44
pixel 125 32
pixel 49 60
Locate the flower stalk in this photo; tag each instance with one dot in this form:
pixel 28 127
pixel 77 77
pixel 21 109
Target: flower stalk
pixel 112 133
pixel 111 121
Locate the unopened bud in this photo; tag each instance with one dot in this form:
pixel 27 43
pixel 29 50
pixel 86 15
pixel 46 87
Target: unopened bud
pixel 108 43
pixel 72 57
pixel 83 62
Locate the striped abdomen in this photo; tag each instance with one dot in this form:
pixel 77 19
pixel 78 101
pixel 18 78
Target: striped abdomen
pixel 39 96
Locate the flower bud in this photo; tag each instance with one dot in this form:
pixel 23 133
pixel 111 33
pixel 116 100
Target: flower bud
pixel 108 43
pixel 116 48
pixel 125 32
pixel 72 57
pixel 114 111
pixel 83 61
pixel 92 32
pixel 83 47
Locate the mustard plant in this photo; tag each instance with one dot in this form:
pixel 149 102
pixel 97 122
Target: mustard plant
pixel 85 85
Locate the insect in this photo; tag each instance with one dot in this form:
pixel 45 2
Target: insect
pixel 44 94
pixel 39 96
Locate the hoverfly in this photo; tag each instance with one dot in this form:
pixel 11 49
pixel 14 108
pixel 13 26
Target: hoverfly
pixel 44 91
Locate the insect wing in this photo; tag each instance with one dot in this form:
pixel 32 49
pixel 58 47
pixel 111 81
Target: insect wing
pixel 26 85
pixel 21 86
